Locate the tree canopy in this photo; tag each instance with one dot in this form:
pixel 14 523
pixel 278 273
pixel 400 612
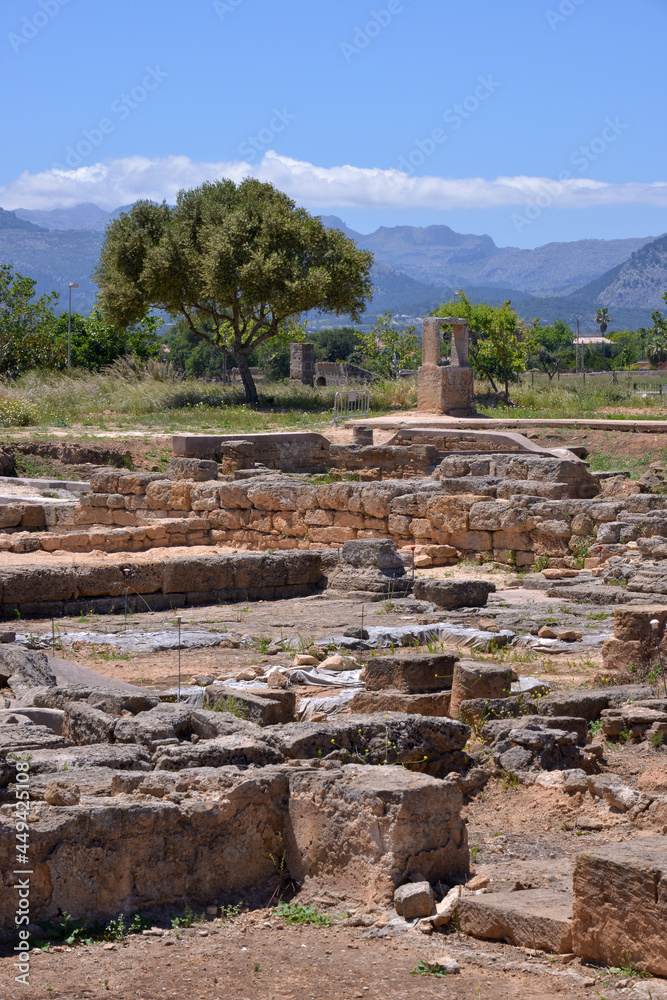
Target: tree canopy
pixel 242 257
pixel 26 324
pixel 389 348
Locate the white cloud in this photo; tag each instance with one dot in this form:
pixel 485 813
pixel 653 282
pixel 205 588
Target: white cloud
pixel 122 181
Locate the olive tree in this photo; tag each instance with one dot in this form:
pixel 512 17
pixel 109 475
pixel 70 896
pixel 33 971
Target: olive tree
pixel 236 262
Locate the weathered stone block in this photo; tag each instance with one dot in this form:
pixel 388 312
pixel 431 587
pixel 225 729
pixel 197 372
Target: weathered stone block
pixel 532 918
pixel 620 904
pixel 410 674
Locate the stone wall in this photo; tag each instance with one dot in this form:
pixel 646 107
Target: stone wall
pixel 147 841
pixel 44 590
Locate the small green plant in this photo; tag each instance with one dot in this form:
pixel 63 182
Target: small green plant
pixel 279 861
pixel 262 643
pixel 298 913
pixel 425 968
pixel 542 562
pixel 48 986
pixel 656 739
pixel 231 910
pixel 106 984
pixel 474 849
pixel 116 930
pixel 256 967
pixel 510 781
pixel 596 727
pixel 627 967
pixel 188 919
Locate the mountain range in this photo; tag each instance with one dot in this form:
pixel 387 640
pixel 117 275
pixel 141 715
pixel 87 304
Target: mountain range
pixel 416 268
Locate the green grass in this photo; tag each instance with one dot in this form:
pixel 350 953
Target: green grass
pixel 156 398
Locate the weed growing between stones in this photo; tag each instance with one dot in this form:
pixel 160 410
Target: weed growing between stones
pixel 509 781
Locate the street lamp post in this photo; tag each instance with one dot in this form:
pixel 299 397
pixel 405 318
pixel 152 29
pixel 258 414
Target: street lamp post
pixel 72 285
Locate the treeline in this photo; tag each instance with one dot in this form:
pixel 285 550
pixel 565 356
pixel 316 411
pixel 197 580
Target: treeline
pixel 34 336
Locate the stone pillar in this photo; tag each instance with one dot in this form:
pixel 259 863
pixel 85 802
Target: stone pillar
pixel 459 353
pixel 302 363
pixel 362 435
pixel 445 389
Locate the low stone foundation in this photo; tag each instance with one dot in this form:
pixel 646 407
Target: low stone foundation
pixel 38 590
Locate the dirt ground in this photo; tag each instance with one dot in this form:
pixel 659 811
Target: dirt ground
pixel 255 957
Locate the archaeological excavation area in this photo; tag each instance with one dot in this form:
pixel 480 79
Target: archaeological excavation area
pixel 381 717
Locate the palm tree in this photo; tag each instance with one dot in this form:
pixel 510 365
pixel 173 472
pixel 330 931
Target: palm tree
pixel 603 319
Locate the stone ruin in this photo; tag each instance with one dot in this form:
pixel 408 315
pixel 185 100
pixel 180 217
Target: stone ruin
pixel 145 805
pixel 445 388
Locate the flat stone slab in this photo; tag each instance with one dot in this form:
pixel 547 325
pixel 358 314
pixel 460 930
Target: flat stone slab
pixel 531 918
pixel 620 904
pixel 19 738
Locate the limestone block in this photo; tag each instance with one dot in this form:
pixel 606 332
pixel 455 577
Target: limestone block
pixel 230 520
pixel 450 513
pixel 335 496
pixel 137 482
pixel 397 524
pixel 319 518
pixel 519 541
pixel 391 821
pixel 421 528
pixel 105 481
pixel 433 703
pixel 479 681
pixel 75 540
pixel 375 500
pixel 168 495
pixel 472 541
pixel 49 542
pixel 84 724
pixel 487 515
pixel 413 900
pixel 531 918
pixel 332 535
pixel 233 495
pixel 125 518
pixel 260 520
pixel 620 904
pixel 410 674
pixel 412 504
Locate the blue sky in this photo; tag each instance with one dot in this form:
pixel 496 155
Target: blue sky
pixel 533 121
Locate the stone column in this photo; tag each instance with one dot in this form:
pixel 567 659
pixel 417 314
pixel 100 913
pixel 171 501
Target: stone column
pixel 302 363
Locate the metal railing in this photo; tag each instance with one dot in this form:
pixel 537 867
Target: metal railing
pixel 351 403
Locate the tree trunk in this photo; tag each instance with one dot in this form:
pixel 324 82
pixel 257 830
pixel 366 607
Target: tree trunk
pixel 246 377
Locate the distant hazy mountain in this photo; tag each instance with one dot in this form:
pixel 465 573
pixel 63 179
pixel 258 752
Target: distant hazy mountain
pixel 54 259
pixel 439 256
pixel 640 282
pixel 85 216
pixel 415 268
pixel 10 220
